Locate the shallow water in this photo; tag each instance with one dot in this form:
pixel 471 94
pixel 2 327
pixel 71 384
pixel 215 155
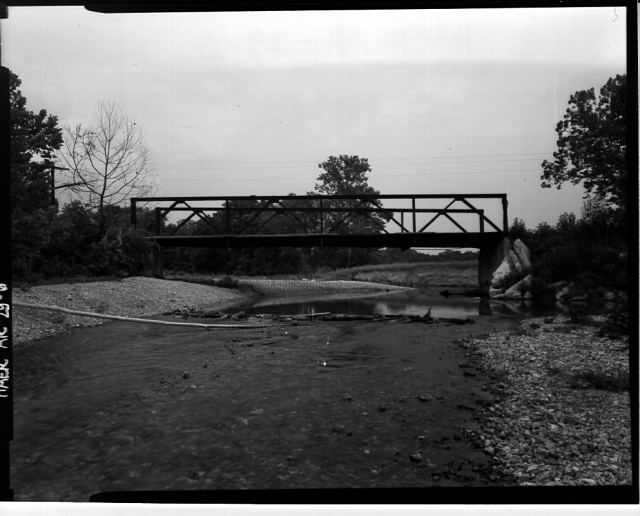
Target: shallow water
pixel 129 406
pixel 411 302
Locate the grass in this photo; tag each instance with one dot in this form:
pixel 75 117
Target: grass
pixel 462 264
pixel 455 273
pixel 205 279
pixel 618 382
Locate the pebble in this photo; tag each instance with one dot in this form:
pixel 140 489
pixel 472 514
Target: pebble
pixel 416 457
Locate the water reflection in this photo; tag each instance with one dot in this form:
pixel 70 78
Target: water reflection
pixel 411 302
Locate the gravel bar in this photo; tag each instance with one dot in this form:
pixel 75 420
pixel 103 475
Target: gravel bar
pixel 131 297
pixel 545 427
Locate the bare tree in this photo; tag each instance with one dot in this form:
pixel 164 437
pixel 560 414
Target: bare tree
pixel 109 161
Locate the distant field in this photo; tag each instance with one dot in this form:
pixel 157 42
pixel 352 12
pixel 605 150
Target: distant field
pixel 462 274
pixel 450 274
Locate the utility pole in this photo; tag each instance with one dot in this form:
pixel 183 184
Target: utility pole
pixel 53 183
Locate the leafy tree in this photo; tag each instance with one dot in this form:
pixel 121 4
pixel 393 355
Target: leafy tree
pixel 518 230
pixel 346 175
pixel 109 161
pixel 76 248
pixel 566 222
pixel 592 144
pixel 34 140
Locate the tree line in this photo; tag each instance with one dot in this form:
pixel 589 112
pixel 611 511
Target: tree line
pixel 103 164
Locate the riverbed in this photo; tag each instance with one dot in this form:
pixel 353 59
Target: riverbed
pixel 128 406
pixel 311 405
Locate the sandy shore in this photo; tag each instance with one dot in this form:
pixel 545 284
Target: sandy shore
pixel 143 297
pixel 269 287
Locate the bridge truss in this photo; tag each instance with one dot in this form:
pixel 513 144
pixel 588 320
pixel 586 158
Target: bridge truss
pixel 326 221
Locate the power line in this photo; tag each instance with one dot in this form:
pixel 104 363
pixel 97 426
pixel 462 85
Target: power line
pixel 241 164
pixel 376 176
pixel 204 167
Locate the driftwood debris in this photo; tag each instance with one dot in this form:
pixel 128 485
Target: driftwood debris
pixel 466 293
pixel 327 316
pixel 133 319
pixel 347 317
pixel 453 320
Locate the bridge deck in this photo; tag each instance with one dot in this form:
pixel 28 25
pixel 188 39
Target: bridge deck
pixel 398 240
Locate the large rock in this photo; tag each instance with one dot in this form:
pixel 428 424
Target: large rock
pixel 514 260
pixel 514 295
pixel 523 253
pixel 494 292
pixel 503 270
pixel 562 293
pixel 524 285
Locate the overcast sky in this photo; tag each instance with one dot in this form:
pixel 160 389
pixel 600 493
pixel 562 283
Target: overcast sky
pixel 439 101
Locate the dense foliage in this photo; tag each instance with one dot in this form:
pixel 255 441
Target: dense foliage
pixel 34 140
pixel 592 145
pixel 77 239
pixel 590 251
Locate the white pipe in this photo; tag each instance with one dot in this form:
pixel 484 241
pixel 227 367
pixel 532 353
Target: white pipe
pixel 132 319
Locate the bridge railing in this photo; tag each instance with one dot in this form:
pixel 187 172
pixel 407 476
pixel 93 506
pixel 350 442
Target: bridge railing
pixel 319 214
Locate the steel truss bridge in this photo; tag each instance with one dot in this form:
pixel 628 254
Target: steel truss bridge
pixel 244 217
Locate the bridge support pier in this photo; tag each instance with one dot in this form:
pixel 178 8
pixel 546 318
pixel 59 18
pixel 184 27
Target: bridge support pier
pixel 490 258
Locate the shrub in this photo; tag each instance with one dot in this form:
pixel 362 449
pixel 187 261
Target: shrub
pixel 617 323
pixel 227 282
pixel 518 230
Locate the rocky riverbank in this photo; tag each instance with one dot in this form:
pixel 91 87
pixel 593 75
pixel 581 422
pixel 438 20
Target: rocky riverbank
pixel 562 410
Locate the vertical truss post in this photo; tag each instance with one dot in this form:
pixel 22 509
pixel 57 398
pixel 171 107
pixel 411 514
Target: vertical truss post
pixel 505 217
pixel 228 215
pixel 413 206
pixel 402 230
pixel 481 213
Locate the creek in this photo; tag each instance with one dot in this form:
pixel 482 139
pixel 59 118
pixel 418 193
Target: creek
pixel 410 302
